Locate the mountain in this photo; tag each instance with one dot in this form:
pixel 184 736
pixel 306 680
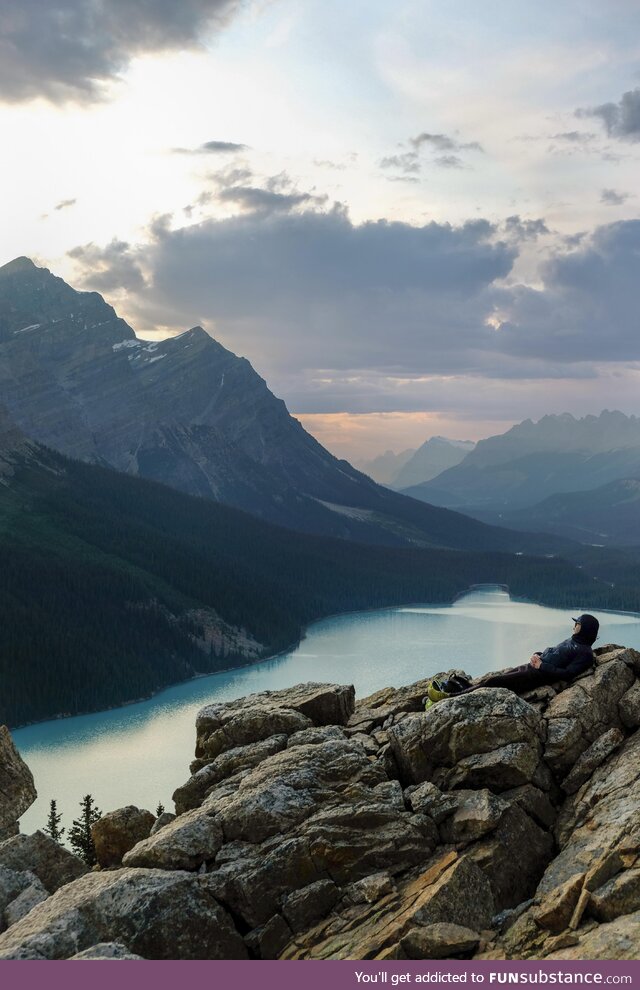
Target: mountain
pixel 112 586
pixel 190 414
pixel 535 460
pixel 385 467
pixel 430 460
pixel 609 515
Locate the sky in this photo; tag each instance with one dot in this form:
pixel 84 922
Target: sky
pixel 413 218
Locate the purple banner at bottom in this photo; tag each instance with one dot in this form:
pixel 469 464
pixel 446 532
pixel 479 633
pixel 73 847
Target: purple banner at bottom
pixel 316 975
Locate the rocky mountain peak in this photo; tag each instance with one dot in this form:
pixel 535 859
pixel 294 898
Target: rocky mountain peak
pixel 16 266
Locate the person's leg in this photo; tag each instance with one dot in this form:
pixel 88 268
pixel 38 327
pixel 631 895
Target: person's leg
pixel 517 679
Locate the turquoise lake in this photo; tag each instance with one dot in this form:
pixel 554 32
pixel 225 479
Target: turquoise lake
pixel 140 753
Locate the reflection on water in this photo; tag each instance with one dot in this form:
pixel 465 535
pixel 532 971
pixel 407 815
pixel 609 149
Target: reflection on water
pixel 140 753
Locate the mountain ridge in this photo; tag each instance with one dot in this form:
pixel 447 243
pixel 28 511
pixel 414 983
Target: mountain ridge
pixel 533 461
pixel 187 412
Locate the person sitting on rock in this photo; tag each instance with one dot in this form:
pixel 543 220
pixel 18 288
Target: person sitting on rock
pixel 563 662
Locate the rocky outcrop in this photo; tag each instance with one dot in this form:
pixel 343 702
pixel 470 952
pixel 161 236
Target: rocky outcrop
pixel 314 827
pixel 31 866
pixel 17 789
pixel 119 831
pixel 158 914
pixel 52 864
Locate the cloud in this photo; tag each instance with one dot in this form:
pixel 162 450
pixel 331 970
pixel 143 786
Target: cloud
pixel 110 268
pixel 343 315
pixel 610 197
pixel 449 161
pixel 586 309
pixel 622 119
pixel 213 148
pixel 407 162
pixel 256 199
pixel 67 50
pixel 575 137
pixel 442 142
pixel 240 186
pixel 64 204
pixel 306 288
pixel 525 230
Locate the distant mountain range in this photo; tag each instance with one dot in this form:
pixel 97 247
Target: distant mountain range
pixel 385 467
pixel 413 467
pixel 532 461
pixel 431 459
pixel 190 414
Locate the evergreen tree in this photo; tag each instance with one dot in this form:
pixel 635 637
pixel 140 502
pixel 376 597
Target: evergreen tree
pixel 80 836
pixel 159 809
pixel 52 827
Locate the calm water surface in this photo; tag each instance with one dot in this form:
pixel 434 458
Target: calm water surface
pixel 140 753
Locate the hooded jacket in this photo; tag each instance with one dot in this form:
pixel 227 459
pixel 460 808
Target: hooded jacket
pixel 567 659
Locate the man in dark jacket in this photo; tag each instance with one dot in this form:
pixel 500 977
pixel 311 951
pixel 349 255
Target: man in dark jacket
pixel 557 663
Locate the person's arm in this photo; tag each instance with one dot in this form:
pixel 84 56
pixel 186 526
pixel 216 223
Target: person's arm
pixel 556 659
pixel 579 663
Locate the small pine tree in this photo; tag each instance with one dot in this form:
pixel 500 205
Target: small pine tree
pixel 159 809
pixel 80 836
pixel 52 827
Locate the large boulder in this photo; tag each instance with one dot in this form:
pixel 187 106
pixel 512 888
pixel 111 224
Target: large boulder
pixel 158 915
pixel 183 844
pixel 53 865
pixel 119 831
pixel 441 941
pixel 586 710
pixel 513 857
pixel 289 787
pixel 488 738
pixel 17 789
pixel 227 764
pixel 26 900
pixel 248 720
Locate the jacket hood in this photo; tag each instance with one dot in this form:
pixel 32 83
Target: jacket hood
pixel 589 627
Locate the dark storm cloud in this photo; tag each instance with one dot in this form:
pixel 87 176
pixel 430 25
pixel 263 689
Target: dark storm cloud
pixel 587 307
pixel 622 119
pixel 302 289
pixel 213 148
pixel 107 269
pixel 67 49
pixel 611 197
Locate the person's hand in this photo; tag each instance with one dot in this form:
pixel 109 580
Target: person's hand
pixel 535 660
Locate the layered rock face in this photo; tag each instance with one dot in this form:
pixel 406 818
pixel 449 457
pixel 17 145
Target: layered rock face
pixel 312 826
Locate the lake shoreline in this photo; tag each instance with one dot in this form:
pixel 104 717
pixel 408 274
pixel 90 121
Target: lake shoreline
pixel 62 716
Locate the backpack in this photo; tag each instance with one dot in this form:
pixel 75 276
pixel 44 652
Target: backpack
pixel 441 688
